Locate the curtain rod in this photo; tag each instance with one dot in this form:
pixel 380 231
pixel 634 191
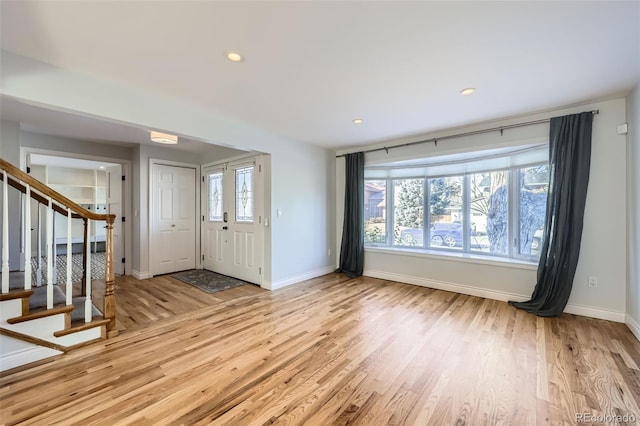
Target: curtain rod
pixel 459 135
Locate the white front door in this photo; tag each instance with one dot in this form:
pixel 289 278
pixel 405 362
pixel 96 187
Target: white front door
pixel 114 206
pixel 173 236
pixel 232 226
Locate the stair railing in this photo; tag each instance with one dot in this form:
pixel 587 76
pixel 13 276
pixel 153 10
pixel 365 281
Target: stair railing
pixel 53 201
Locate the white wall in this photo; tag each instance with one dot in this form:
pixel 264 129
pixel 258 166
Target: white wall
pixel 633 211
pixel 603 250
pixel 302 176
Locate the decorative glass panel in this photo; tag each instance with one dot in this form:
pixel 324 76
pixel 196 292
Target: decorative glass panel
pixel 215 197
pixel 244 194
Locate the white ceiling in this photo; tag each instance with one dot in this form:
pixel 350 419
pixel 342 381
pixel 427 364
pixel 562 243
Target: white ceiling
pixel 311 67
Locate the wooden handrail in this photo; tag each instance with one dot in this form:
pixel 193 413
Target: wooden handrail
pixel 45 190
pixel 78 212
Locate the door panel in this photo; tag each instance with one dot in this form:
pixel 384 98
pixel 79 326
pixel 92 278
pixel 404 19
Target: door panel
pixel 250 248
pixel 173 219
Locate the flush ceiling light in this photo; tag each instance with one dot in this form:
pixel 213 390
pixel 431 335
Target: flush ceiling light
pixel 357 121
pixel 163 138
pixel 233 56
pixel 467 91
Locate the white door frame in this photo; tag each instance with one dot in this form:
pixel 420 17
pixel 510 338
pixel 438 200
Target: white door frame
pixel 198 223
pixel 127 200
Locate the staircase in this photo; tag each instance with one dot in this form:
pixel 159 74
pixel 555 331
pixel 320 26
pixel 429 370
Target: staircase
pixel 41 318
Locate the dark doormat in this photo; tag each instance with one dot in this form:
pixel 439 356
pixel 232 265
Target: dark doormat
pixel 208 281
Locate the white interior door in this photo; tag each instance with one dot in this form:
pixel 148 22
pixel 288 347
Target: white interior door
pixel 173 213
pixel 114 206
pixel 233 234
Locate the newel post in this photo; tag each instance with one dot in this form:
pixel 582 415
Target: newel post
pixel 109 284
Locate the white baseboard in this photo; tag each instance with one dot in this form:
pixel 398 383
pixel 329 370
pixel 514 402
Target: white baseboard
pixel 447 286
pixel 589 311
pixel 502 296
pixel 26 356
pixel 141 275
pixel 633 326
pixel 295 280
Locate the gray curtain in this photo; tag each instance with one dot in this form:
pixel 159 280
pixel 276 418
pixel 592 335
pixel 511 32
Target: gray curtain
pixel 569 163
pixel 352 247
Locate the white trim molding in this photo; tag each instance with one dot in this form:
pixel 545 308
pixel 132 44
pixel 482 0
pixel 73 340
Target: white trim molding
pixel 502 296
pixel 298 279
pixel 26 356
pixel 633 326
pixel 141 275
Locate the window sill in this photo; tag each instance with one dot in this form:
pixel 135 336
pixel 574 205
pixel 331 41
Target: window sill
pixel 456 257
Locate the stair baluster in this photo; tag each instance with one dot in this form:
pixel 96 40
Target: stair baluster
pixel 27 238
pixel 5 233
pixel 39 260
pixel 49 245
pixel 69 289
pixel 87 300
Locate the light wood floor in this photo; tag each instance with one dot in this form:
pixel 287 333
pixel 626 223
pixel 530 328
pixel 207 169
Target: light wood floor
pixel 331 351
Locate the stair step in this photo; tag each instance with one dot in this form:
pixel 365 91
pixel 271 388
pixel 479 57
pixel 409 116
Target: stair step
pixel 15 294
pixel 81 326
pixel 42 313
pixel 32 339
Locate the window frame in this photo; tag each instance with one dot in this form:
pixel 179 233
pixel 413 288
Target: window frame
pixel 513 229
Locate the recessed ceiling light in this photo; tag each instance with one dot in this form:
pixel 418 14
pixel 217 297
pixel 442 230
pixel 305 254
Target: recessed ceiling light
pixel 357 121
pixel 164 138
pixel 101 167
pixel 234 56
pixel 467 91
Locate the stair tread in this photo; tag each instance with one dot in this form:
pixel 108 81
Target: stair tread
pixel 16 294
pixel 42 313
pixel 78 326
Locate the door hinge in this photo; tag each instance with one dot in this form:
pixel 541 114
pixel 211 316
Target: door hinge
pixel 259 219
pixel 203 257
pixel 123 218
pixel 259 168
pixel 202 179
pixel 203 218
pixel 123 260
pixel 260 271
pixel 28 169
pixel 124 178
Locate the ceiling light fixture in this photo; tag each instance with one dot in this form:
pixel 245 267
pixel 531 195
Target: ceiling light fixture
pixel 233 56
pixel 467 91
pixel 357 121
pixel 164 138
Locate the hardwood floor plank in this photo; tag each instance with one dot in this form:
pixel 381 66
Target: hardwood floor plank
pixel 330 351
